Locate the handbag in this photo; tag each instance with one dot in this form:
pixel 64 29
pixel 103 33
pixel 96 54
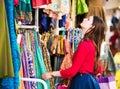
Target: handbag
pixel 61 87
pixel 107 82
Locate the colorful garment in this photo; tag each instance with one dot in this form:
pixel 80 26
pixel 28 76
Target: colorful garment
pixel 24 11
pixel 12 83
pixel 39 63
pixel 6 64
pixel 62 6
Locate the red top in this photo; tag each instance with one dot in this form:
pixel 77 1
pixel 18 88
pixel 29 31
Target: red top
pixel 83 60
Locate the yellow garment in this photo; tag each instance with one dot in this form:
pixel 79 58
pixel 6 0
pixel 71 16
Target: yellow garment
pixel 73 13
pixel 117 58
pixel 117 78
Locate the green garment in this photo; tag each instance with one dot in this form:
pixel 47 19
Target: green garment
pixel 6 65
pixel 81 7
pixel 39 63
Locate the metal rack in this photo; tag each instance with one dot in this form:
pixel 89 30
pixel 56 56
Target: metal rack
pixel 35 80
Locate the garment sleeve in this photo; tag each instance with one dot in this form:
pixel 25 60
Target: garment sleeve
pixel 78 59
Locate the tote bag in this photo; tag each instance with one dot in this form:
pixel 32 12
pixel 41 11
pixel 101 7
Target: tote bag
pixel 107 82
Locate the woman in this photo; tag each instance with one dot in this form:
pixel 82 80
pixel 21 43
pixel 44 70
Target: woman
pixel 85 59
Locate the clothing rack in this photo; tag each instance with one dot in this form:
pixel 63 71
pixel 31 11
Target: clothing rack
pixel 35 80
pixel 27 26
pixel 36 27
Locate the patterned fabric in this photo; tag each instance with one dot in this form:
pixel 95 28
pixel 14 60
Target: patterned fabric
pixel 62 6
pixel 46 58
pixel 24 11
pixel 28 59
pixel 75 37
pixel 27 62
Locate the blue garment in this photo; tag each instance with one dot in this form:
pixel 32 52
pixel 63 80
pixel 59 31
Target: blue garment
pixel 45 22
pixel 12 83
pixel 62 21
pixel 84 81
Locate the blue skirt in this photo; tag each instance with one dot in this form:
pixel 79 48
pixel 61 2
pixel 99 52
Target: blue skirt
pixel 84 81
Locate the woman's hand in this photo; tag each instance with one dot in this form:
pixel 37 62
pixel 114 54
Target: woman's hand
pixel 98 75
pixel 47 75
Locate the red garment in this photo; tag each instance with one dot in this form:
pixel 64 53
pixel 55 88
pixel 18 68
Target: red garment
pixel 113 39
pixel 37 3
pixel 16 2
pixel 83 60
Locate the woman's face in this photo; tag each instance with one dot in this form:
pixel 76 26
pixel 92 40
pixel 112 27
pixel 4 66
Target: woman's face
pixel 87 23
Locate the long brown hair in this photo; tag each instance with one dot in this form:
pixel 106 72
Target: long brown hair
pixel 97 34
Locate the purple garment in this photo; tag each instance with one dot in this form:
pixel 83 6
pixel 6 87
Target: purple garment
pixel 28 66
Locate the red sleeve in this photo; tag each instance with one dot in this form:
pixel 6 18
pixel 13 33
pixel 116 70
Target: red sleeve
pixel 78 59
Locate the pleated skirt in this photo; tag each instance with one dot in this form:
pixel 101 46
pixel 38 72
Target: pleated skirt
pixel 84 81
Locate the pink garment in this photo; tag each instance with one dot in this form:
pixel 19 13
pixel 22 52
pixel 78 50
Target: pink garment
pixel 37 3
pixel 16 2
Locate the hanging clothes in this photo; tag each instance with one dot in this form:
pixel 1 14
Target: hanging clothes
pixel 16 2
pixel 46 58
pixel 81 7
pixel 39 63
pixel 27 61
pixel 6 64
pixel 38 3
pixel 12 83
pixel 58 8
pixel 32 61
pixel 24 11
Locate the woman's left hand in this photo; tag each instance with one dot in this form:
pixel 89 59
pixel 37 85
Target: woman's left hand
pixel 47 76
